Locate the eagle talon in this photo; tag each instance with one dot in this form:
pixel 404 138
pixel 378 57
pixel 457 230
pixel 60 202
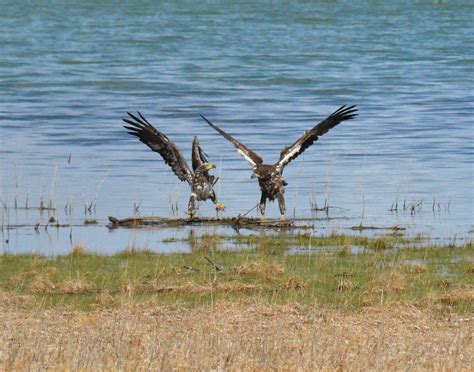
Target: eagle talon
pixel 220 207
pixel 190 213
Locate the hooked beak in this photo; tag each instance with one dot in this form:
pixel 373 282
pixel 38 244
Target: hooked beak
pixel 210 166
pixel 254 175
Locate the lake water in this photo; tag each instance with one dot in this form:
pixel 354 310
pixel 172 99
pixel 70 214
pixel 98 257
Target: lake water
pixel 264 72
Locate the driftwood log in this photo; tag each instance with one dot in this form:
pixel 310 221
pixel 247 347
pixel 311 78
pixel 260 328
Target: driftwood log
pixel 235 222
pixel 362 228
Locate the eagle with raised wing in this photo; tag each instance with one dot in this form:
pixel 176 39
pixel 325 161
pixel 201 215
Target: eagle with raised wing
pixel 201 182
pixel 270 176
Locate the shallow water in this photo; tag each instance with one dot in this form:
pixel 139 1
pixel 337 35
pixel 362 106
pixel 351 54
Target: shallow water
pixel 263 72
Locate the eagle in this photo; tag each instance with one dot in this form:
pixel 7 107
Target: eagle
pixel 270 176
pixel 201 182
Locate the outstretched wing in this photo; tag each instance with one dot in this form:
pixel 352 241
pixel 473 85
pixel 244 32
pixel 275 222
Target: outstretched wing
pixel 248 154
pixel 158 142
pixel 199 157
pixel 307 139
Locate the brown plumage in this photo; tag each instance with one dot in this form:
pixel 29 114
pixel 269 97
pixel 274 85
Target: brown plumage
pixel 198 178
pixel 270 176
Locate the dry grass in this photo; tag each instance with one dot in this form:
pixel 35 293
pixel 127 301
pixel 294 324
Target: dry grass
pixel 45 284
pixel 416 269
pixel 74 286
pixel 192 288
pixel 445 282
pixel 457 296
pixel 345 285
pixel 205 243
pixel 265 271
pixel 381 243
pixel 296 283
pixel 249 336
pixel 133 288
pixel 78 250
pixel 389 282
pixel 16 301
pixel 104 300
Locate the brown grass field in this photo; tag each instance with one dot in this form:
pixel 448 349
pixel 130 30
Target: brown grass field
pixel 233 336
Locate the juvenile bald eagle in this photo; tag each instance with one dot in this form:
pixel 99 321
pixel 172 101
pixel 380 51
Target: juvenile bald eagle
pixel 199 179
pixel 270 176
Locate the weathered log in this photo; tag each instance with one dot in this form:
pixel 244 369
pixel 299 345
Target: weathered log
pixel 236 222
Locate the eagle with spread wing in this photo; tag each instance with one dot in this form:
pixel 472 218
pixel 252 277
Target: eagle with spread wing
pixel 201 182
pixel 270 176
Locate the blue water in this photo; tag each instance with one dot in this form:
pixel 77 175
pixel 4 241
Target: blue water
pixel 265 72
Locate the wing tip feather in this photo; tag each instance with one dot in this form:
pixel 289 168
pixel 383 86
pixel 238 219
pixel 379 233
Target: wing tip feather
pixel 346 112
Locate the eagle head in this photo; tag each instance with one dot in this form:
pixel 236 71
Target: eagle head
pixel 205 167
pixel 263 171
pixel 209 166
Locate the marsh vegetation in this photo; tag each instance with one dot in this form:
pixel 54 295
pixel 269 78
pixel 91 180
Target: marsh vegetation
pixel 336 271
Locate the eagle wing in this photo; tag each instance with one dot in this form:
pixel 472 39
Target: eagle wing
pixel 248 154
pixel 307 139
pixel 199 157
pixel 160 143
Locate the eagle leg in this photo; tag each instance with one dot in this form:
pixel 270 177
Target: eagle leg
pixel 192 206
pixel 263 202
pixel 219 206
pixel 281 204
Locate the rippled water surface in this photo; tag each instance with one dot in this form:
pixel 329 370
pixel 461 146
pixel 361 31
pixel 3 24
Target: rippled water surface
pixel 265 73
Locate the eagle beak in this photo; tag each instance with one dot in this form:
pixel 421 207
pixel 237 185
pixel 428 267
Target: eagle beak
pixel 254 175
pixel 210 166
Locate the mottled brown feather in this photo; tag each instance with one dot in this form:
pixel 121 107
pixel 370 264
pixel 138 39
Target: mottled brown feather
pixel 160 143
pixel 309 137
pixel 252 157
pixel 198 155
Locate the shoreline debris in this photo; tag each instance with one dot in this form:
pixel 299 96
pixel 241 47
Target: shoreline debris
pixel 235 222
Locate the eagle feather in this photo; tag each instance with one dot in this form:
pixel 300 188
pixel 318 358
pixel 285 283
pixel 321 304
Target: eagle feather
pixel 290 153
pixel 252 157
pixel 160 143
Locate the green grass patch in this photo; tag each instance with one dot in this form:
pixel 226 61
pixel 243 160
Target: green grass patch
pixel 388 269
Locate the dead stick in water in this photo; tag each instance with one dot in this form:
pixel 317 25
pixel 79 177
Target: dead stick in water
pixel 246 213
